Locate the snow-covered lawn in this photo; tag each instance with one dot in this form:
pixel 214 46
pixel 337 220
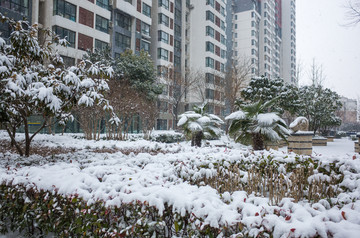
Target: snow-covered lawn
pixel 160 174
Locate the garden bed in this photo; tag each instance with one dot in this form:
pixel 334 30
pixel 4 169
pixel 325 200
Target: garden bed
pixel 180 191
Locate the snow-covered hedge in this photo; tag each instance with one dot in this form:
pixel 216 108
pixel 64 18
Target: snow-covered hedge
pixel 179 191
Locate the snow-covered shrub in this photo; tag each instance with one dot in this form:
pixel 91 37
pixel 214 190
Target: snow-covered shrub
pixel 167 137
pixel 253 125
pixel 301 178
pixel 37 213
pixel 34 81
pixel 198 124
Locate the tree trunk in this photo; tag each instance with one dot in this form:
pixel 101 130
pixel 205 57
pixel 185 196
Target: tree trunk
pixel 196 138
pixel 13 141
pixel 258 141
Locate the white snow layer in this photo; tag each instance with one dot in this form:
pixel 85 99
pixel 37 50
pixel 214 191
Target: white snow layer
pixel 117 178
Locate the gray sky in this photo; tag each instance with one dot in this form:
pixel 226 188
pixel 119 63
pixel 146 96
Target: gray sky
pixel 321 34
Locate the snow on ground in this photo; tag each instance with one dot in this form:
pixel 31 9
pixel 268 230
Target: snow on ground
pixel 117 178
pixel 338 148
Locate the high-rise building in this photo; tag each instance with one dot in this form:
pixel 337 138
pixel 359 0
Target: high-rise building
pixel 131 24
pixel 264 33
pixel 289 41
pixel 206 48
pixel 84 23
pixel 187 39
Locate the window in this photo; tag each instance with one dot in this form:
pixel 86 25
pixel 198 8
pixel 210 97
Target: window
pixel 164 4
pixel 16 5
pixel 210 31
pixel 210 46
pixel 163 54
pixel 210 2
pixel 163 36
pixel 146 10
pixel 222 25
pixel 222 11
pixel 223 54
pixel 236 17
pixel 68 61
pixel 161 124
pixel 210 78
pixel 145 46
pixel 177 15
pixel 177 61
pixel 209 62
pixel 222 39
pixel 177 30
pixel 145 29
pixel 65 9
pixel 123 21
pixel 100 45
pixel 65 33
pixel 209 93
pixel 103 3
pixel 177 45
pixel 222 67
pixel 122 41
pixel 163 19
pixel 235 26
pixel 210 16
pixel 102 24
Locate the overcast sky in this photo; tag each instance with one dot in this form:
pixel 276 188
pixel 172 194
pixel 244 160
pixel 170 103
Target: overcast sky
pixel 322 34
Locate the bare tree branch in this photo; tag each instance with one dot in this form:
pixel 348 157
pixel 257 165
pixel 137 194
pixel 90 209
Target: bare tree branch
pixel 353 12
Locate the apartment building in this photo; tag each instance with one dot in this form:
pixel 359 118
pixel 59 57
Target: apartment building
pixel 131 24
pixel 191 40
pixel 245 34
pixel 289 40
pixel 16 10
pixel 264 32
pixel 206 44
pixel 84 23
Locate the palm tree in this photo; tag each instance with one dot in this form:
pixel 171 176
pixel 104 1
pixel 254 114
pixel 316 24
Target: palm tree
pixel 252 125
pixel 198 124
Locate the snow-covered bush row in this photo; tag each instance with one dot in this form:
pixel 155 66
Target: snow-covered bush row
pixel 272 175
pixel 154 180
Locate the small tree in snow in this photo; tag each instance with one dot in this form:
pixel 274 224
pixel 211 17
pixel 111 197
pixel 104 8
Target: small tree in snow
pixel 197 124
pixel 34 82
pixel 265 89
pixel 319 106
pixel 251 125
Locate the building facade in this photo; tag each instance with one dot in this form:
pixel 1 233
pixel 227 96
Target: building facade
pixel 16 10
pixel 207 50
pixel 264 33
pixel 189 41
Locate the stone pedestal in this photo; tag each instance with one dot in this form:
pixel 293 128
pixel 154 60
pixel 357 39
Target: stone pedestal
pixel 330 138
pixel 300 142
pixel 319 141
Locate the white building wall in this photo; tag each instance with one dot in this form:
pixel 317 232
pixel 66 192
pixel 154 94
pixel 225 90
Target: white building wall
pixel 48 20
pixel 289 41
pixel 197 39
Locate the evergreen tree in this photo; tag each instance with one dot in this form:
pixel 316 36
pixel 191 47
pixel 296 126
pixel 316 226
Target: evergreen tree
pixel 264 89
pixel 319 105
